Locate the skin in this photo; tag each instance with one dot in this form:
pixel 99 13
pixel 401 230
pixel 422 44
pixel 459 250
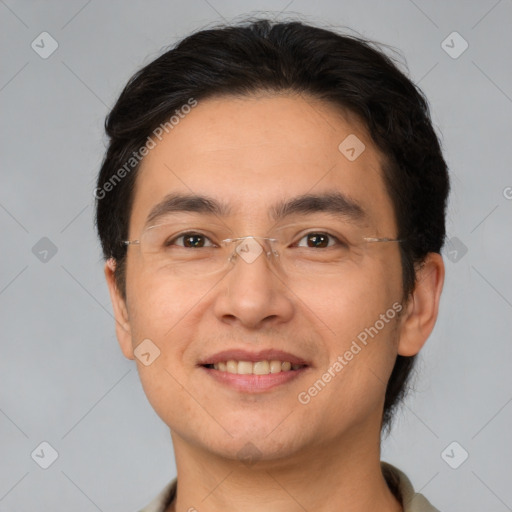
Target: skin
pixel 252 152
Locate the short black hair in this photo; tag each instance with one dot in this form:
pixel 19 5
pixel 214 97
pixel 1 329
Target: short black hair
pixel 345 71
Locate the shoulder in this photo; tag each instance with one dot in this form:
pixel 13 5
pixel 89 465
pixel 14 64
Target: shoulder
pixel 411 500
pixel 397 481
pixel 163 499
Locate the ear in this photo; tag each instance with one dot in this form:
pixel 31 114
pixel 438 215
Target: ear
pixel 422 308
pixel 123 330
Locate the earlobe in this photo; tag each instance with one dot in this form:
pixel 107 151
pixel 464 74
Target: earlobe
pixel 422 309
pixel 123 329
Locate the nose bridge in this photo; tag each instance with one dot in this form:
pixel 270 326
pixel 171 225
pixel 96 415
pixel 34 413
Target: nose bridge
pixel 253 293
pixel 250 248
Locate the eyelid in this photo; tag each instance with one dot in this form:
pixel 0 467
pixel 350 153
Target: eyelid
pixel 337 240
pixel 189 232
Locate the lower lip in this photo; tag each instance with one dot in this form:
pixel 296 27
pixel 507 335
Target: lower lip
pixel 254 383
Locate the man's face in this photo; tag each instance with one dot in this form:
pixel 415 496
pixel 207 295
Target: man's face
pixel 252 154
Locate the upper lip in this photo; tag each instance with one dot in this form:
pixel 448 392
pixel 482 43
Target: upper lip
pixel 245 355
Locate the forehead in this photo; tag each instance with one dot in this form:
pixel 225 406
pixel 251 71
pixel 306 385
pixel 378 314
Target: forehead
pixel 255 152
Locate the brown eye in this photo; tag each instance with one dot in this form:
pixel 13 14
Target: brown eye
pixel 190 241
pixel 317 240
pixel 193 241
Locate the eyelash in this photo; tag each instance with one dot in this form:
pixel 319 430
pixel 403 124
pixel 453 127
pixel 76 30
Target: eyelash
pixel 184 235
pixel 194 233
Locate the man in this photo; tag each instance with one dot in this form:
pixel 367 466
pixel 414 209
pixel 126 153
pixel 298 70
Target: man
pixel 271 210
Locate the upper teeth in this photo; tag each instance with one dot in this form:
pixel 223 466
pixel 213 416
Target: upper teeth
pixel 257 368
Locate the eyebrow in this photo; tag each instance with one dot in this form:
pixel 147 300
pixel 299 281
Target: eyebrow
pixel 187 203
pixel 334 203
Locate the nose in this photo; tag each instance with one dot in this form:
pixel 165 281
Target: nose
pixel 253 294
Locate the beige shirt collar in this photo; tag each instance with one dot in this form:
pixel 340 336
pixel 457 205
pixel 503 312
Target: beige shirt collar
pixel 411 501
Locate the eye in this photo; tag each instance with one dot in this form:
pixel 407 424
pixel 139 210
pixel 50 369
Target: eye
pixel 190 240
pixel 319 240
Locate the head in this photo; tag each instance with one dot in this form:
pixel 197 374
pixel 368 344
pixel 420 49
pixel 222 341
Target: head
pixel 252 117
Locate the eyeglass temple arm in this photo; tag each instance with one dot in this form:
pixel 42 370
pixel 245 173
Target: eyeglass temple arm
pixel 373 239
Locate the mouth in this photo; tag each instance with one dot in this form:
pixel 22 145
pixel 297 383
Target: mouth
pixel 254 372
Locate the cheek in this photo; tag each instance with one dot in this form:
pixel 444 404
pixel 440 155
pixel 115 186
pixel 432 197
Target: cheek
pixel 361 358
pixel 360 312
pixel 158 306
pixel 170 314
pixel 347 305
pixel 163 313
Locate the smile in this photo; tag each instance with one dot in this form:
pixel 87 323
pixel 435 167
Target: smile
pixel 248 380
pixel 256 368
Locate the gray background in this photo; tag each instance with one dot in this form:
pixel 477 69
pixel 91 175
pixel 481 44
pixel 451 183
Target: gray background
pixel 63 377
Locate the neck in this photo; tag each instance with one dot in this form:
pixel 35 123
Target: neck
pixel 345 475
